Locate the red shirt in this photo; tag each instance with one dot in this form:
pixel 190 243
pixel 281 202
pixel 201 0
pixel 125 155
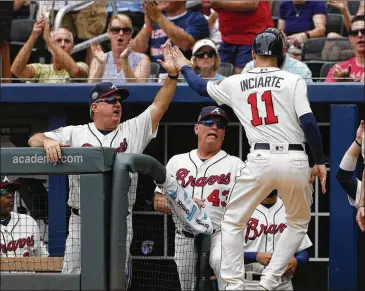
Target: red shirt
pixel 357 72
pixel 242 27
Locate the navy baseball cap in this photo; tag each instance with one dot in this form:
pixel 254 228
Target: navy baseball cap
pixel 213 111
pixel 105 89
pixel 9 185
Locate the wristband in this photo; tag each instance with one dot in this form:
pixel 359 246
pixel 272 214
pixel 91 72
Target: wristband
pixel 308 35
pixel 148 28
pixel 357 143
pixel 363 205
pixel 173 77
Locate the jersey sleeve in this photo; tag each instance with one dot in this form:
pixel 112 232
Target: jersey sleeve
pixel 220 91
pixel 306 243
pixel 301 102
pixel 140 129
pixel 170 169
pixel 62 134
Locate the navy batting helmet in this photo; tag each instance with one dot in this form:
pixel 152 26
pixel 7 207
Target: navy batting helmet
pixel 270 43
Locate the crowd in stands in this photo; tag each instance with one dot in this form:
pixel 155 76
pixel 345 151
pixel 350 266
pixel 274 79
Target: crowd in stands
pixel 324 39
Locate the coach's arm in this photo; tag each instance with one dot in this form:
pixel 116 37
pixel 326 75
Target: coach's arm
pixel 160 204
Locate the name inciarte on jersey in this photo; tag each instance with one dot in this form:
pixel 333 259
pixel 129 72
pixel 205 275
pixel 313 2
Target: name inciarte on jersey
pixel 182 176
pixel 261 82
pixel 254 230
pixel 20 243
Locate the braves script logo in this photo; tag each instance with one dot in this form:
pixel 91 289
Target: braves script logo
pixel 20 243
pixel 254 230
pixel 182 175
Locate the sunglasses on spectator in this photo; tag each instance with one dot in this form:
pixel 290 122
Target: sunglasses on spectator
pixel 116 30
pixel 5 192
pixel 110 100
pixel 201 54
pixel 210 122
pixel 356 32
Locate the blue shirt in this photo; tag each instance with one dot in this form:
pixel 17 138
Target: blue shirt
pixel 290 65
pixel 299 17
pixel 193 23
pixel 122 6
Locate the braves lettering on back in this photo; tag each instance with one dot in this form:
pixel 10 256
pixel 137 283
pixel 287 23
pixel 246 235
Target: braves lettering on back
pixel 267 101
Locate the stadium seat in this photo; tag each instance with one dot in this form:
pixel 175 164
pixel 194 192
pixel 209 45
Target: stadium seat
pixel 325 68
pixel 334 23
pixel 225 69
pixel 155 70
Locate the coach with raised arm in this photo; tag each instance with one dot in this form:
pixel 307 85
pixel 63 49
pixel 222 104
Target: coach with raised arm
pixel 131 136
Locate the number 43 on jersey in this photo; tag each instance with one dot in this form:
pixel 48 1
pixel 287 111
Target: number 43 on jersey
pixel 214 198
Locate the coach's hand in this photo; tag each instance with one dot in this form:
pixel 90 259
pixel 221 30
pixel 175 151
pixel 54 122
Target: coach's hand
pixel 179 58
pixel 320 172
pixel 291 267
pixel 360 218
pixel 53 149
pixel 200 202
pixel 168 63
pixel 263 258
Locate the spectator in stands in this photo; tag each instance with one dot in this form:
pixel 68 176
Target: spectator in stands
pixel 121 64
pixel 301 20
pixel 342 6
pixel 19 232
pixel 290 64
pixel 353 69
pixel 169 20
pixel 206 59
pixel 60 44
pixel 239 23
pixel 133 9
pixel 86 21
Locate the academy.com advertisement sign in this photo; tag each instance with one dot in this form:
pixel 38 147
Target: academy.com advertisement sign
pixel 40 159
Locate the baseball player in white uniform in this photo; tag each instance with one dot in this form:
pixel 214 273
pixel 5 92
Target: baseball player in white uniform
pixel 263 231
pixel 19 232
pixel 273 107
pixel 131 136
pixel 207 174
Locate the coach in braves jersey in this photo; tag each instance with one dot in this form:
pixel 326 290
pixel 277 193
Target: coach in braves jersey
pixel 131 136
pixel 19 232
pixel 207 174
pixel 346 176
pixel 263 231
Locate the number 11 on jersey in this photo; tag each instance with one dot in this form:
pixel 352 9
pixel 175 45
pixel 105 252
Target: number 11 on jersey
pixel 256 119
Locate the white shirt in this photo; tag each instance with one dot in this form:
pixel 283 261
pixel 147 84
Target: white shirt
pixel 131 136
pixel 267 101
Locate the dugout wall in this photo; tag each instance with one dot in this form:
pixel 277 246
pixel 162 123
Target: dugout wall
pixel 337 107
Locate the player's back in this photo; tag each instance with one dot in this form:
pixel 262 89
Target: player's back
pixel 268 102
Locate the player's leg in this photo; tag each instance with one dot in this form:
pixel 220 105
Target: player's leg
pixel 296 192
pixel 250 188
pixel 72 259
pixel 215 258
pixel 285 286
pixel 185 259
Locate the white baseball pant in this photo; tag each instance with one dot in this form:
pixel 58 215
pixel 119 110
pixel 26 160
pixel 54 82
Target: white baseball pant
pixel 254 285
pixel 215 258
pixel 266 170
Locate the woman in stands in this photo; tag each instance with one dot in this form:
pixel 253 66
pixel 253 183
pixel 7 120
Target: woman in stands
pixel 121 64
pixel 206 59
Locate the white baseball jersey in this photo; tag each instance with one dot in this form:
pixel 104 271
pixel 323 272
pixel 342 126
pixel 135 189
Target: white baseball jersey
pixel 264 229
pixel 267 101
pixel 20 238
pixel 211 179
pixel 131 136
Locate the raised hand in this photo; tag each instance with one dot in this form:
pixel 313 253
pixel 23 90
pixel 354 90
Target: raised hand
pixel 360 132
pixel 46 31
pixel 339 4
pixel 152 11
pixel 38 27
pixel 179 58
pixel 97 52
pixel 168 63
pixel 125 54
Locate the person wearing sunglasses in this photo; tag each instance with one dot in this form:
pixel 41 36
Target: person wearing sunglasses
pixel 207 175
pixel 106 130
pixel 121 64
pixel 352 70
pixel 19 235
pixel 206 59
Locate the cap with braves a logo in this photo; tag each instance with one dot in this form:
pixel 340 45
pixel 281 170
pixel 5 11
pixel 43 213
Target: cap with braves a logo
pixel 212 111
pixel 105 89
pixel 8 186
